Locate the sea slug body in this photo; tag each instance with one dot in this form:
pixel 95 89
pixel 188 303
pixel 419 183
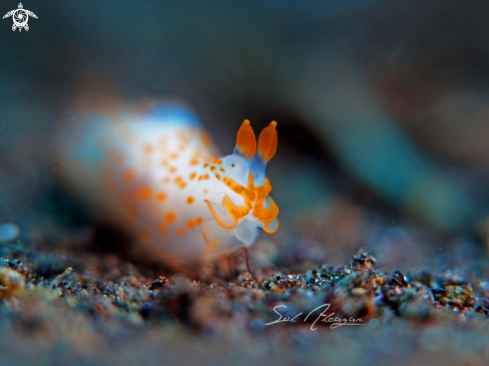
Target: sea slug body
pixel 155 173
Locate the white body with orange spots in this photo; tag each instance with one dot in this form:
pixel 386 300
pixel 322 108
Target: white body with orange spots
pixel 154 172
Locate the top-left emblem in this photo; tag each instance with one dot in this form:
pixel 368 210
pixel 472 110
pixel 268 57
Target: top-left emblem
pixel 20 17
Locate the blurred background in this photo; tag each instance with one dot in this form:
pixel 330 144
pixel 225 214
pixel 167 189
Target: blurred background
pixel 382 106
pixel 383 123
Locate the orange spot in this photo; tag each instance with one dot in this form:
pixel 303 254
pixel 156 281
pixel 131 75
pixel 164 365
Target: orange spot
pixel 183 185
pixel 198 220
pixel 148 149
pixel 246 140
pixel 190 200
pixel 193 175
pixel 219 162
pixel 128 174
pixel 267 142
pixel 206 191
pixel 181 232
pixel 162 228
pixel 206 165
pixel 145 192
pixel 170 217
pixel 172 169
pixel 206 176
pixel 194 162
pixel 201 177
pixel 218 176
pixel 173 156
pixel 213 168
pixel 190 224
pixel 222 170
pixel 178 179
pixel 160 196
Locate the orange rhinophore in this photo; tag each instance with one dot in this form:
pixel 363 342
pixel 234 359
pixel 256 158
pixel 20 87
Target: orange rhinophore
pixel 151 169
pixel 267 142
pixel 246 140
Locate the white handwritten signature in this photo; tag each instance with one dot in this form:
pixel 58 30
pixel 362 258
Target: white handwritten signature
pixel 335 321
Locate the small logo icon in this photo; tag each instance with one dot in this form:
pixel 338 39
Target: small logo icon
pixel 20 17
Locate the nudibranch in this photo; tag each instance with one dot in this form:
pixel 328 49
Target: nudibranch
pixel 154 171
